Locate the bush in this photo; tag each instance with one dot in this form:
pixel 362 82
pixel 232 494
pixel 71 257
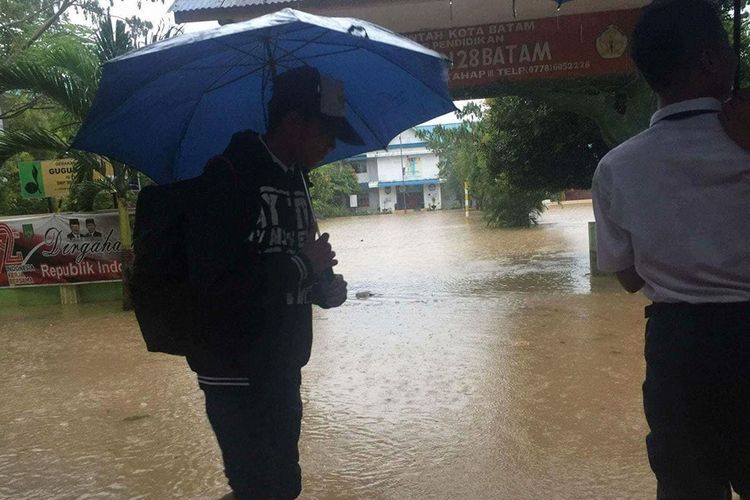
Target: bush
pixel 330 211
pixel 512 207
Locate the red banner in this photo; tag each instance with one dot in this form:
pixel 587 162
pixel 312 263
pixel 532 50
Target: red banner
pixel 572 46
pixel 59 248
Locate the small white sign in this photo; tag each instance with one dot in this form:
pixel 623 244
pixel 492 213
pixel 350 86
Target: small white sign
pixel 353 200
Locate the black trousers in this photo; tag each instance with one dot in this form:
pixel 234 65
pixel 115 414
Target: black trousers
pixel 697 399
pixel 258 429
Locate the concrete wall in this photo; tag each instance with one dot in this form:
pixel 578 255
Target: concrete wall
pixel 374 195
pixel 418 164
pixel 388 200
pixel 435 195
pixel 389 169
pixel 49 295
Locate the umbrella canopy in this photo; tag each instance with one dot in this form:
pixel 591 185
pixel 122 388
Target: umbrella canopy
pixel 169 107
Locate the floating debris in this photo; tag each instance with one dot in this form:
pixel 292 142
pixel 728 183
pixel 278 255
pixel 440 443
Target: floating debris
pixel 133 418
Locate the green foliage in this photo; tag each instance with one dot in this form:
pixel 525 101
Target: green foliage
pixel 59 85
pixel 112 41
pixel 20 19
pixel 47 90
pixel 728 9
pixel 457 150
pixel 331 211
pixel 32 140
pixel 539 148
pixel 509 206
pixel 24 23
pixel 330 187
pixel 462 152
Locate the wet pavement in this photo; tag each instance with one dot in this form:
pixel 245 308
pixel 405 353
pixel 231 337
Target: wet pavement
pixel 487 364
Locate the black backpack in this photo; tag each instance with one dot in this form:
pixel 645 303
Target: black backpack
pixel 159 284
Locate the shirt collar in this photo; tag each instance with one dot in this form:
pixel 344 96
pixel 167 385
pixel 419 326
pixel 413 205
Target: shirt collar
pixel 700 104
pixel 275 159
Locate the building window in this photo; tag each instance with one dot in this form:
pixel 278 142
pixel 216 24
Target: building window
pixel 363 196
pixel 360 167
pixel 413 167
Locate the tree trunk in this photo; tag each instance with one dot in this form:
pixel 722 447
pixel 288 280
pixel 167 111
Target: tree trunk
pixel 126 251
pixel 738 42
pixel 46 25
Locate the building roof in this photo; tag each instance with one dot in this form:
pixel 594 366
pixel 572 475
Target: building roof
pixel 403 16
pixel 204 10
pixel 185 5
pixel 237 10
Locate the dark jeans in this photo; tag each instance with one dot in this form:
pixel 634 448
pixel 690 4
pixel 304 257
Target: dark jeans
pixel 697 399
pixel 258 428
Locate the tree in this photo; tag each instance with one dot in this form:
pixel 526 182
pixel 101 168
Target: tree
pixel 621 106
pixel 540 148
pixel 508 206
pixel 462 152
pixel 24 22
pixel 63 76
pixel 67 74
pixel 727 7
pixel 456 149
pixel 330 187
pixel 552 135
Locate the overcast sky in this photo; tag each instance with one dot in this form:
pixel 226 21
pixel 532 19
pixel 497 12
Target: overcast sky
pixel 149 11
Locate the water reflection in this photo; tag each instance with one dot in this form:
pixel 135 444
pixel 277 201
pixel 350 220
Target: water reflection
pixel 487 364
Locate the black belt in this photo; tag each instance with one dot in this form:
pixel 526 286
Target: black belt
pixel 700 308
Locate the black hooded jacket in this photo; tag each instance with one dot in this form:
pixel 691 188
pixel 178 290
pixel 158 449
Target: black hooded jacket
pixel 251 288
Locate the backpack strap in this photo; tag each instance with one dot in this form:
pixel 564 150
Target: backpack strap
pixel 230 164
pixel 237 180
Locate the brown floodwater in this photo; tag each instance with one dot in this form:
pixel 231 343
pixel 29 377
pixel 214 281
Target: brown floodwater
pixel 487 364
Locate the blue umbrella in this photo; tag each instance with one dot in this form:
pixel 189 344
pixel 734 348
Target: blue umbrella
pixel 169 107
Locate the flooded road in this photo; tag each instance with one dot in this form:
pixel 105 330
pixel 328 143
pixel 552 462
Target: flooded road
pixel 487 364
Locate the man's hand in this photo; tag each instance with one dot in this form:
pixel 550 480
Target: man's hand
pixel 735 118
pixel 630 279
pixel 319 253
pixel 332 293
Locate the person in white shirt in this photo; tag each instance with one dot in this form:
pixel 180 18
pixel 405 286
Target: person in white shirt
pixel 672 208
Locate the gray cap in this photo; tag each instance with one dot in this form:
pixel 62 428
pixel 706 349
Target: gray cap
pixel 306 90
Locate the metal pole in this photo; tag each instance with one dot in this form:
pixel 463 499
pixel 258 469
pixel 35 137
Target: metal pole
pixel 466 198
pixel 738 41
pixel 403 173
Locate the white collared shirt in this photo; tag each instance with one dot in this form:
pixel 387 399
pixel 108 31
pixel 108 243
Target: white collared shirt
pixel 674 201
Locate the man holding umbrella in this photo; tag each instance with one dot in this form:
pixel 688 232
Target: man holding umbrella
pixel 253 264
pixel 254 287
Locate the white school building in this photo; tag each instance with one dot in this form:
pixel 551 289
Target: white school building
pixel 404 174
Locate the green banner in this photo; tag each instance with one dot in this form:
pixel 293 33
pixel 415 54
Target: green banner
pixel 32 183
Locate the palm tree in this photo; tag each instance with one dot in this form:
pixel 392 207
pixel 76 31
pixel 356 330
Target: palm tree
pixel 67 74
